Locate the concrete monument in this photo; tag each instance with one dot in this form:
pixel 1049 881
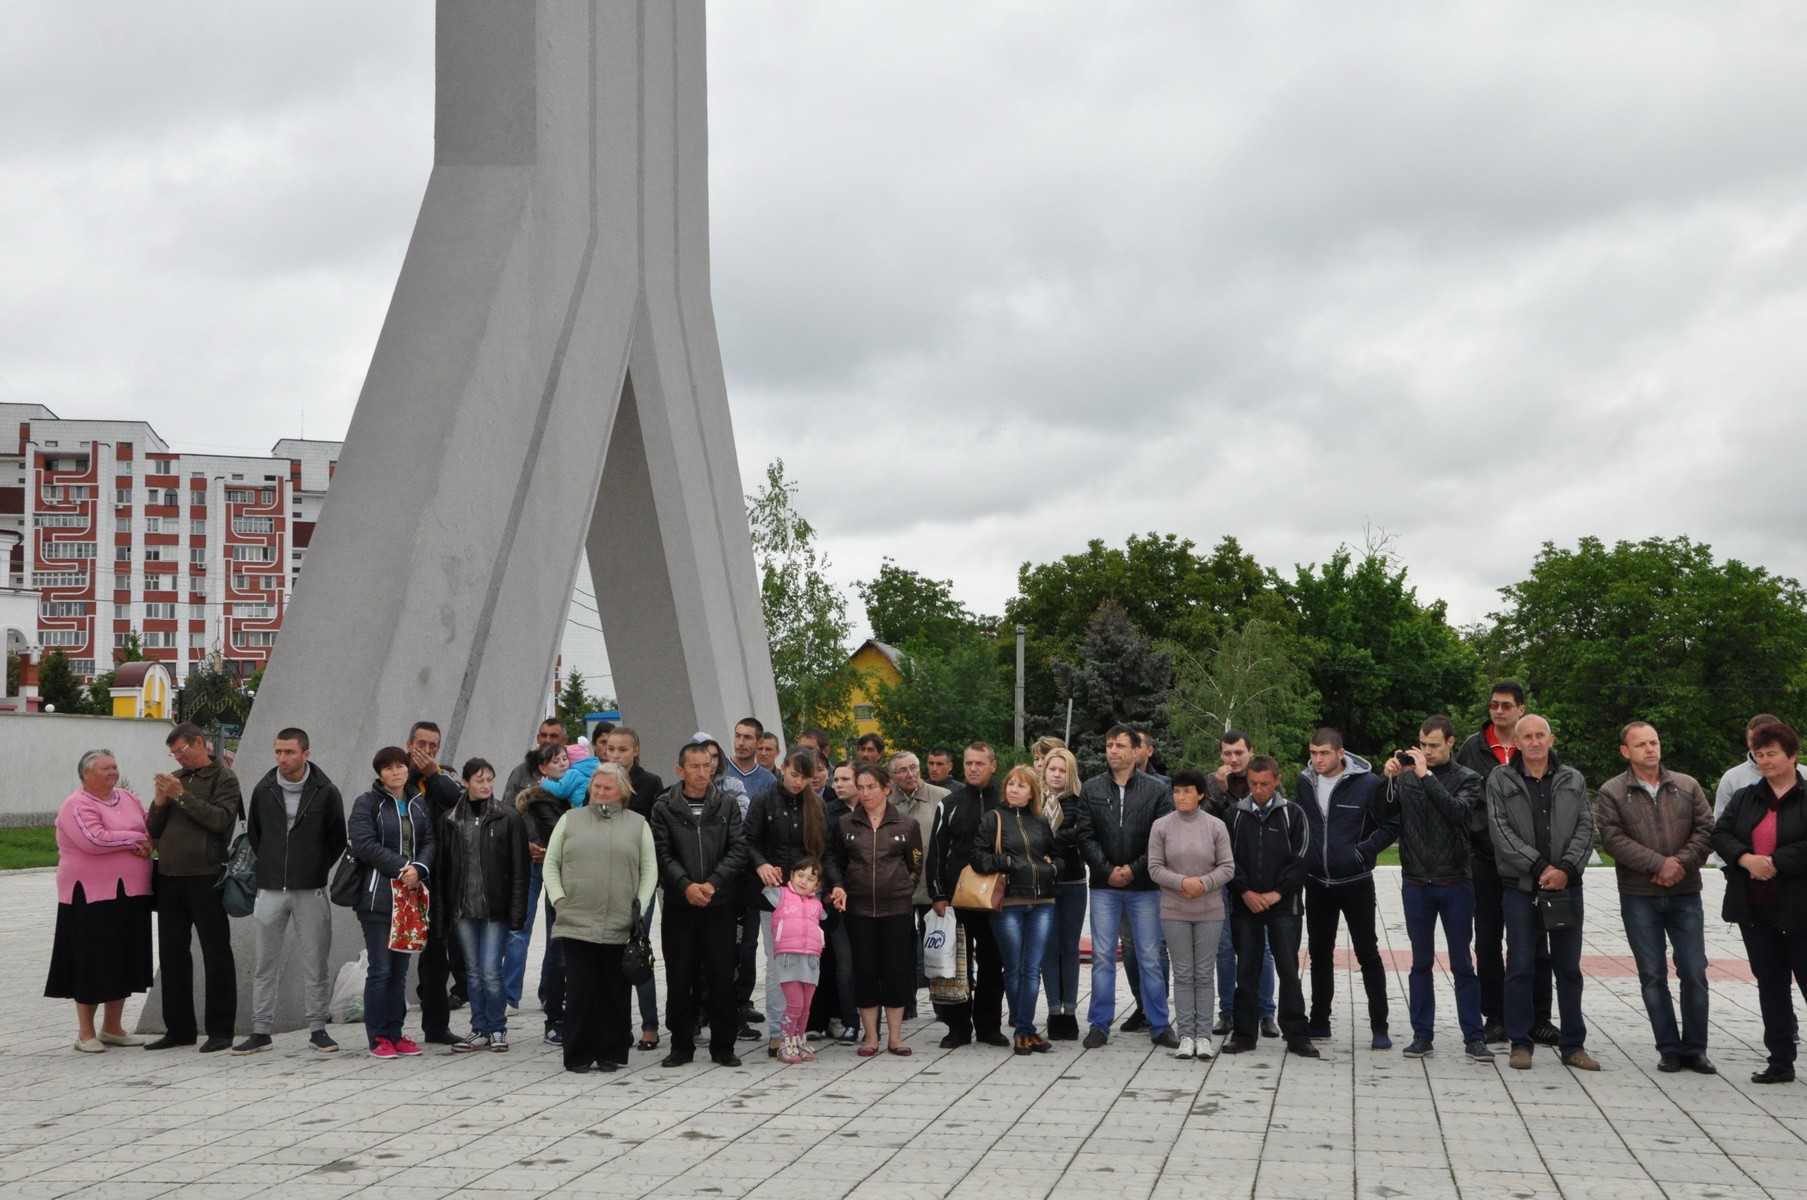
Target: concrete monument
pixel 547 379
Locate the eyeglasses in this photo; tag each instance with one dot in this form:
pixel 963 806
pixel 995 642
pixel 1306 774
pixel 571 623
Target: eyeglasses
pixel 1501 705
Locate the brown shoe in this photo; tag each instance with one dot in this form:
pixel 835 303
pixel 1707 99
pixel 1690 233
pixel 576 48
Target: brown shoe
pixel 1520 1060
pixel 1581 1060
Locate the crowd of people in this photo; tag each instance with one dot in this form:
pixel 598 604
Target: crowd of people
pixel 830 878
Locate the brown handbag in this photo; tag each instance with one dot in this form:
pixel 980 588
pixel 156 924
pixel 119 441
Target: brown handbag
pixel 977 891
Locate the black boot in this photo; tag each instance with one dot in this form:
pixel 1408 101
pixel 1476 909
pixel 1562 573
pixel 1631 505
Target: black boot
pixel 1063 1027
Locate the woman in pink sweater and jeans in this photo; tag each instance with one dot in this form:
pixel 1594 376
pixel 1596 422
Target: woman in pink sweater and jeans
pixel 102 951
pixel 1189 859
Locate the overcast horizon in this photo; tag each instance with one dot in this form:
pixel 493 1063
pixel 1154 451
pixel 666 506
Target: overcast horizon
pixel 995 280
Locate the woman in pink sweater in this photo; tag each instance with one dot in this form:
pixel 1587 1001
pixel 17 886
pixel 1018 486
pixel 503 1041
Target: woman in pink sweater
pixel 102 952
pixel 1189 859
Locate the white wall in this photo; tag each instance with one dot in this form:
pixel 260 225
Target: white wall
pixel 38 753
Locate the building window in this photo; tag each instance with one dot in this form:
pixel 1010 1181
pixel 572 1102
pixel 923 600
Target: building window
pixel 63 637
pixel 197 641
pixel 153 553
pixel 63 608
pixel 122 583
pixel 254 612
pixel 59 521
pixel 58 579
pixel 197 528
pixel 250 638
pixel 254 525
pixel 253 554
pixel 198 555
pixel 125 466
pixel 160 612
pixel 83 667
pixel 170 497
pixel 61 550
pixel 165 640
pixel 122 612
pixel 154 525
pixel 122 495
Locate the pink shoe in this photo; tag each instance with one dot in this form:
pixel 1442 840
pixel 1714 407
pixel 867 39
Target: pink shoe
pixel 385 1048
pixel 404 1046
pixel 807 1054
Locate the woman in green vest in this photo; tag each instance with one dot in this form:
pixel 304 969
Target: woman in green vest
pixel 599 864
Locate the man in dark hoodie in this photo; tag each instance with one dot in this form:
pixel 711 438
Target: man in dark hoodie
pixel 1543 837
pixel 442 958
pixel 702 854
pixel 1338 793
pixel 950 850
pixel 1270 841
pixel 296 823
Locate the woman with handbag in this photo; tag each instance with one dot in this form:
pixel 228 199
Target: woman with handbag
pixel 1060 962
pixel 1015 842
pixel 599 873
pixel 393 841
pixel 880 853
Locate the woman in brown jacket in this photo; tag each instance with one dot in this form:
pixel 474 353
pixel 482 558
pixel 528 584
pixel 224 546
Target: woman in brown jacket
pixel 880 851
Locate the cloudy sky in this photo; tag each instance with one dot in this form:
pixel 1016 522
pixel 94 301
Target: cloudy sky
pixel 999 278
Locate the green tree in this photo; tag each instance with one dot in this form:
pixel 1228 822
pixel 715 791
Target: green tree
pixel 57 684
pixel 1251 680
pixel 950 694
pixel 575 702
pixel 212 695
pixel 904 606
pixel 1380 660
pixel 1655 631
pixel 100 692
pixel 805 615
pixel 1118 676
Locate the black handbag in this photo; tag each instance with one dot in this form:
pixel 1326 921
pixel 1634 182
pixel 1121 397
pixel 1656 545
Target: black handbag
pixel 347 881
pixel 237 884
pixel 1556 910
pixel 637 957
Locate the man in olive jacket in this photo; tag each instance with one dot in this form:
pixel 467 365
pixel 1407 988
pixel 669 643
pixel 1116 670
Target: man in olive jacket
pixel 192 815
pixel 1543 837
pixel 1658 827
pixel 702 853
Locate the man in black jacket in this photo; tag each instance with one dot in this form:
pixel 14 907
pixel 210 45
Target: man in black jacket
pixel 1113 813
pixel 1336 792
pixel 1431 801
pixel 702 864
pixel 442 958
pixel 296 824
pixel 1484 753
pixel 1269 841
pixel 950 850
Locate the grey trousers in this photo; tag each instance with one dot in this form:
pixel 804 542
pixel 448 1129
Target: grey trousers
pixel 312 915
pixel 1192 945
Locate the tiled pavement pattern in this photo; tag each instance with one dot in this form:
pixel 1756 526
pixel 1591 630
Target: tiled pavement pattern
pixel 1126 1120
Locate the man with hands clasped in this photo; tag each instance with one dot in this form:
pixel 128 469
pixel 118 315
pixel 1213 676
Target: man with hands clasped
pixel 1269 839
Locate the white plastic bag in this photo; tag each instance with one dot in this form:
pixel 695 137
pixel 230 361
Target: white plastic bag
pixel 347 1003
pixel 938 936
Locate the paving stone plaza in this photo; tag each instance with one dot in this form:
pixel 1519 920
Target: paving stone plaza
pixel 1123 1121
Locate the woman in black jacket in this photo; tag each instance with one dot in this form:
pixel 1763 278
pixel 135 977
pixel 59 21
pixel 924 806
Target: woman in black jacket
pixel 880 857
pixel 785 824
pixel 391 836
pixel 1015 839
pixel 1072 894
pixel 1762 836
pixel 483 883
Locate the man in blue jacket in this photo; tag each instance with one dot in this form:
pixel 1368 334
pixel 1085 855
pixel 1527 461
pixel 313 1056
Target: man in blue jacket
pixel 1339 795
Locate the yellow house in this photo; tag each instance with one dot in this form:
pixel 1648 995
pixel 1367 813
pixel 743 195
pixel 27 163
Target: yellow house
pixel 874 663
pixel 142 689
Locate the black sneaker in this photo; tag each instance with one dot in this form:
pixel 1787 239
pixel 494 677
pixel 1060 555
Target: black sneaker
pixel 1319 1033
pixel 444 1037
pixel 994 1038
pixel 1223 1027
pixel 750 1015
pixel 254 1044
pixel 1545 1033
pixel 1494 1033
pixel 168 1042
pixel 1478 1052
pixel 954 1041
pixel 1270 1028
pixel 1237 1046
pixel 746 1033
pixel 1303 1050
pixel 322 1041
pixel 1095 1038
pixel 725 1060
pixel 214 1045
pixel 1166 1039
pixel 555 1036
pixel 1420 1048
pixel 1137 1022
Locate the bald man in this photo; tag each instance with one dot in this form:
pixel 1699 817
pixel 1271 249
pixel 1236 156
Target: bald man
pixel 1543 836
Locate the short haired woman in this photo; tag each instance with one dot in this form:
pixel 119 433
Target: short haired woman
pixel 879 848
pixel 391 834
pixel 102 950
pixel 599 864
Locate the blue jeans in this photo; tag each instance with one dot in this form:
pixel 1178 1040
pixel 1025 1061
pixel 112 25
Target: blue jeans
pixel 1109 907
pixel 1022 931
pixel 1226 974
pixel 386 984
pixel 1524 931
pixel 1649 920
pixel 1060 963
pixel 1424 904
pixel 484 942
pixel 514 955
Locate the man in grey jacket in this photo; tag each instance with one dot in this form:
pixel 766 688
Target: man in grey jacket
pixel 1543 836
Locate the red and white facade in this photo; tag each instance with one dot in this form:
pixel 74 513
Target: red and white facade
pixel 122 536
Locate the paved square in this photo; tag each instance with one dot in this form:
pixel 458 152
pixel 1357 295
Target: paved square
pixel 1126 1120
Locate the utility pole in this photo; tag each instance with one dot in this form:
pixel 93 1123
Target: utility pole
pixel 1019 686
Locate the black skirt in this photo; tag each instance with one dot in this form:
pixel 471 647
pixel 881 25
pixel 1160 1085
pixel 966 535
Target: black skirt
pixel 102 950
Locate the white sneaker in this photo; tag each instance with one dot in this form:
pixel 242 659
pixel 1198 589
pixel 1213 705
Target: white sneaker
pixel 1185 1050
pixel 1204 1049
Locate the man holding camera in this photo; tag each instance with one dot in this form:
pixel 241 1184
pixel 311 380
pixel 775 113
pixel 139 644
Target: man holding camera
pixel 1430 799
pixel 1543 836
pixel 1338 793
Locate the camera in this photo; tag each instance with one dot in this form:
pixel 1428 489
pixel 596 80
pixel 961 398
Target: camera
pixel 1403 757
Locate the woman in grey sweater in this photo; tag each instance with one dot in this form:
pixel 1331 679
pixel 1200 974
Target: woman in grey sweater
pixel 1189 859
pixel 599 864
